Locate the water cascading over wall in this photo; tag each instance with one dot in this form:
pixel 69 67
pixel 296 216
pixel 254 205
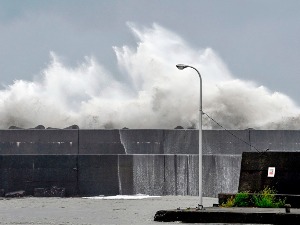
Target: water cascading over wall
pixel 109 162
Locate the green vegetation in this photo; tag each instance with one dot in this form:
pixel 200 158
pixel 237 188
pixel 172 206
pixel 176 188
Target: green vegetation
pixel 242 199
pixel 264 199
pixel 230 202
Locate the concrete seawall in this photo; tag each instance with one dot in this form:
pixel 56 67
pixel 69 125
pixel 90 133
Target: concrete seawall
pixel 109 162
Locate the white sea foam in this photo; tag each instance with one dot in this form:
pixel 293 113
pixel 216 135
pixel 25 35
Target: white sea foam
pixel 152 94
pixel 123 197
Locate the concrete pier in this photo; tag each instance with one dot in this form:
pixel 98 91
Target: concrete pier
pixel 230 215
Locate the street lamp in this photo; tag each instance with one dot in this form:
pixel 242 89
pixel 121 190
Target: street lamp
pixel 181 67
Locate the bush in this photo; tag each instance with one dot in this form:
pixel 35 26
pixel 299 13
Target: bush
pixel 264 199
pixel 242 199
pixel 229 202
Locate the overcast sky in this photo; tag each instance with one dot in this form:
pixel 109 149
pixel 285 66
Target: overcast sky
pixel 258 40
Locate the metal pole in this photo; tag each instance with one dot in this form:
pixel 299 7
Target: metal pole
pixel 181 67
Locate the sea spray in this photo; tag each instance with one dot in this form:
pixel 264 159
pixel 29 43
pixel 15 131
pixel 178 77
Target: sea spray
pixel 152 94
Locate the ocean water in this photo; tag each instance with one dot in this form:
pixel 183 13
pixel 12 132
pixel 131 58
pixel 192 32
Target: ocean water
pixel 80 211
pixel 105 210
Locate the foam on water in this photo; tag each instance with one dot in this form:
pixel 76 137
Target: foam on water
pixel 123 197
pixel 152 94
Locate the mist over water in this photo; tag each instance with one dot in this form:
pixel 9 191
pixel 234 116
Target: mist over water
pixel 152 92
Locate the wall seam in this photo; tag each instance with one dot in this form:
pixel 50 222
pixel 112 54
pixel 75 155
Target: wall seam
pixel 77 164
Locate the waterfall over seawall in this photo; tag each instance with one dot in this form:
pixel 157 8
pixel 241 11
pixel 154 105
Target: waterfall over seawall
pixel 108 162
pixel 178 174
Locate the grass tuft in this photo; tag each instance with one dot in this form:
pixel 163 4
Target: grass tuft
pixel 264 199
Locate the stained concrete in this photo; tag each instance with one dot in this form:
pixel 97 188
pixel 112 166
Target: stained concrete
pixel 42 142
pixel 143 141
pixel 98 175
pixel 100 142
pixel 222 142
pixel 26 172
pixel 154 141
pixel 254 172
pixel 275 140
pixel 181 142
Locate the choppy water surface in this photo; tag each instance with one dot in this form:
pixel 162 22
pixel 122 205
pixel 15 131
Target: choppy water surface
pixel 75 211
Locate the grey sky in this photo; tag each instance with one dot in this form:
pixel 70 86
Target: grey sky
pixel 258 40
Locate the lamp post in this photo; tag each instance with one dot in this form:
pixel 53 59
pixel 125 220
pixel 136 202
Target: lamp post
pixel 181 67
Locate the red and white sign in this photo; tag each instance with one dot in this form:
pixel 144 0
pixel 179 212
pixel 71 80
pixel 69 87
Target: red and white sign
pixel 271 172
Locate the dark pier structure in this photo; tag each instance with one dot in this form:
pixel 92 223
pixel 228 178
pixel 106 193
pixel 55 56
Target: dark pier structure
pixel 128 161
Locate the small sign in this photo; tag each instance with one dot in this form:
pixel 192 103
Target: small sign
pixel 271 172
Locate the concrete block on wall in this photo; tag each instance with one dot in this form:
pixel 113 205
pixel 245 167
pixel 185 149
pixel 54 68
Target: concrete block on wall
pixel 223 142
pixel 100 142
pixel 193 176
pixel 125 174
pixel 209 180
pixel 98 175
pixel 181 142
pixel 38 142
pixel 148 174
pixel 148 141
pixel 26 172
pixel 275 140
pixel 176 175
pixel 170 187
pixel 181 175
pixel 254 172
pixel 220 174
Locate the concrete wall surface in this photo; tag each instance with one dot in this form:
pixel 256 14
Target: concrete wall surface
pixel 38 142
pixel 121 142
pixel 151 141
pixel 89 175
pixel 155 162
pixel 26 172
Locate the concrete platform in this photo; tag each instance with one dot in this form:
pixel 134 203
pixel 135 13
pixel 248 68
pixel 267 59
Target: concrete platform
pixel 230 215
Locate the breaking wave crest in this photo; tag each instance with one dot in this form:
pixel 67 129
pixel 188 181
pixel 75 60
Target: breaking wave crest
pixel 151 94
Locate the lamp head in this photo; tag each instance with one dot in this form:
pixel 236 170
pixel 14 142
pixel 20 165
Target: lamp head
pixel 181 66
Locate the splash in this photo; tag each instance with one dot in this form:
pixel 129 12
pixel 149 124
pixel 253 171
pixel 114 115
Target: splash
pixel 153 94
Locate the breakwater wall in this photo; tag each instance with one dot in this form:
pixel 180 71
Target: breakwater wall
pixel 110 162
